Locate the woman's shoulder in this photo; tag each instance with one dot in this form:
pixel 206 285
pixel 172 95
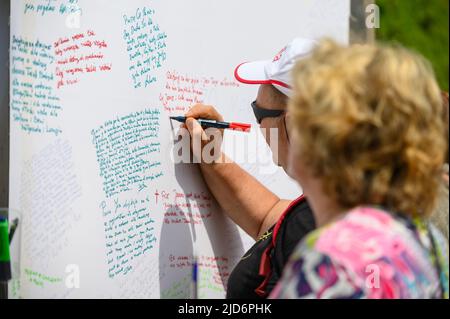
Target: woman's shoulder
pixel 354 229
pixel 374 233
pixel 368 246
pixel 369 234
pixel 359 228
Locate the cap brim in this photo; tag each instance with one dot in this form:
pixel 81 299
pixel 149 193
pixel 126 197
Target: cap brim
pixel 252 72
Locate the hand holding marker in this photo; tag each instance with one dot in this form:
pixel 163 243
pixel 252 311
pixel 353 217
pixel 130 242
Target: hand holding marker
pixel 205 124
pixel 216 124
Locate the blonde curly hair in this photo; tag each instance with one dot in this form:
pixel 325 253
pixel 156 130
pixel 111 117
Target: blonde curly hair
pixel 369 123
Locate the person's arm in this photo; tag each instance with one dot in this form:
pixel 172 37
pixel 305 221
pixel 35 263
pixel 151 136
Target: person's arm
pixel 245 200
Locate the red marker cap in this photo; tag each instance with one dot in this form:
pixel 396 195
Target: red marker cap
pixel 240 127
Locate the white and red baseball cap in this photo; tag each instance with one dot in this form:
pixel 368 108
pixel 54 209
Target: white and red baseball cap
pixel 277 71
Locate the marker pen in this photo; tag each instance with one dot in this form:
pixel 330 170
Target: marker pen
pixel 194 282
pixel 216 124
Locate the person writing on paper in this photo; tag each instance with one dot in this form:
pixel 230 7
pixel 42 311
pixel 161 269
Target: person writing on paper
pixel 367 142
pixel 277 225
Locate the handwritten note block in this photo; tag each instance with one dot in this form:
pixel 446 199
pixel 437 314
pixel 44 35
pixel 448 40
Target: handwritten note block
pixel 214 272
pixel 35 106
pixel 182 90
pixel 49 187
pixel 145 44
pixel 79 55
pixel 44 7
pixel 128 151
pixel 185 208
pixel 129 233
pixel 40 279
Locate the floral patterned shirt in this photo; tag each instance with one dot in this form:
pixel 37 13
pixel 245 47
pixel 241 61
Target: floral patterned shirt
pixel 369 253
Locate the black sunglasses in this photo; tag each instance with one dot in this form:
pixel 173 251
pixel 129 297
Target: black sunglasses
pixel 261 113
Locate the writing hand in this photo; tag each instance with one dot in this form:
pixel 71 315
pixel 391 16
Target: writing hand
pixel 211 137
